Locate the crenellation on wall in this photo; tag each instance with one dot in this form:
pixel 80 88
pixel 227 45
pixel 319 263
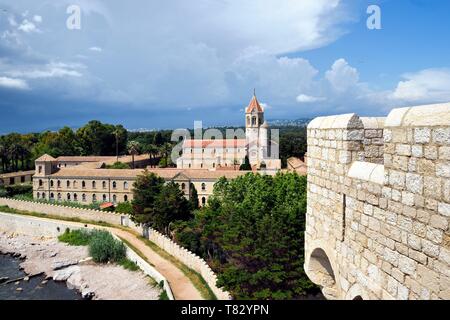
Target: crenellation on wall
pixel 380 208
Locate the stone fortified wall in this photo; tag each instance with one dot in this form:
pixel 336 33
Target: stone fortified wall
pixel 188 258
pixel 377 224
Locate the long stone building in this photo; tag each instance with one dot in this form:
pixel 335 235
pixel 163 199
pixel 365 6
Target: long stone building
pixel 377 224
pixel 86 182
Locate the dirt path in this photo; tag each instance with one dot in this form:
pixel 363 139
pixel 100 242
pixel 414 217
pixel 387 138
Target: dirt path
pixel 182 287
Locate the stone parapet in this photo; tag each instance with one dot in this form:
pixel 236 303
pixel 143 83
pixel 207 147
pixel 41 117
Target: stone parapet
pixel 378 215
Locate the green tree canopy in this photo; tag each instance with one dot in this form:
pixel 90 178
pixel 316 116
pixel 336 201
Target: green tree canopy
pixel 252 234
pixel 157 204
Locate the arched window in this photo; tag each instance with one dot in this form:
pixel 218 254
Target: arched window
pixel 58 183
pixel 203 186
pixel 104 184
pixel 94 198
pixel 183 186
pixel 59 196
pixel 125 198
pixel 68 197
pixel 114 198
pixel 114 185
pixel 83 184
pixel 125 185
pixel 253 121
pixel 74 183
pixel 214 165
pixel 38 195
pixel 104 197
pixel 203 201
pixel 51 183
pixel 189 165
pixel 43 195
pixel 40 183
pixel 201 165
pixel 52 196
pixel 68 184
pixel 75 197
pixel 40 169
pixel 83 197
pixel 93 184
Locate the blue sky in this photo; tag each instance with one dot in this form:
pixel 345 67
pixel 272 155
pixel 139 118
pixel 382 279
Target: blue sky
pixel 164 64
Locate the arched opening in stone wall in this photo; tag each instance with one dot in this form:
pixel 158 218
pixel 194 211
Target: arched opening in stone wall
pixel 321 272
pixel 358 298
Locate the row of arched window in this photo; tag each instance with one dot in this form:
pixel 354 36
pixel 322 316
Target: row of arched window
pixel 74 197
pixel 83 184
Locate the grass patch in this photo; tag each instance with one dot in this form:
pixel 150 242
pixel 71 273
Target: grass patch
pixel 196 279
pixel 128 264
pixel 76 237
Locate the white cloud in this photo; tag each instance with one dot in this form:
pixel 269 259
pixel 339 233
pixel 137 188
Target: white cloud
pixel 28 26
pixel 430 85
pixel 51 70
pixel 37 19
pixel 12 21
pixel 303 98
pixel 12 83
pixel 342 76
pixel 96 49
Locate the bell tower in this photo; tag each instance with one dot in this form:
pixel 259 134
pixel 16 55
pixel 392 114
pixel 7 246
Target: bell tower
pixel 254 119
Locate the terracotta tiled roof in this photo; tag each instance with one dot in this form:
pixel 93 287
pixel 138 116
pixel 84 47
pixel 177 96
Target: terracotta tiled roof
pixel 206 174
pixel 128 159
pixel 84 158
pixel 168 173
pixel 46 157
pixel 254 104
pixel 217 143
pixel 297 165
pixel 16 174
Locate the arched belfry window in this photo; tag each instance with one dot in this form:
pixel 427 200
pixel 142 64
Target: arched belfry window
pixel 253 121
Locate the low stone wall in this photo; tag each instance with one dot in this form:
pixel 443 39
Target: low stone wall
pixel 63 211
pixel 189 259
pixel 185 256
pixel 53 228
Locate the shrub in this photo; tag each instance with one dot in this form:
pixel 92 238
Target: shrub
pixel 3 192
pixel 103 247
pixel 118 165
pixel 128 264
pixel 19 189
pixel 124 207
pixel 163 295
pixel 76 237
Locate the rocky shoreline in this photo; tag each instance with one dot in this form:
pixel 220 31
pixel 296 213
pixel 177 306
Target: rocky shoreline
pixel 72 264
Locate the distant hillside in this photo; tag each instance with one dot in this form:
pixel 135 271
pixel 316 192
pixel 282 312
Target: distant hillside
pixel 289 123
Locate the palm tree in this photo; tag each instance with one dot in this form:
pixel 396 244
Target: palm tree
pixel 3 154
pixel 165 150
pixel 153 152
pixel 133 148
pixel 116 133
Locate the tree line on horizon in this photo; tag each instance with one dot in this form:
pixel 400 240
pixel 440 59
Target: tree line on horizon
pixel 18 151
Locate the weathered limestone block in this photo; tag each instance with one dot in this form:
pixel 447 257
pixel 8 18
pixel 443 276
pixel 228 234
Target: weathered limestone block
pixel 379 197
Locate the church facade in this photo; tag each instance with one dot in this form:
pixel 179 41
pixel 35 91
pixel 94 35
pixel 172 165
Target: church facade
pixel 230 153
